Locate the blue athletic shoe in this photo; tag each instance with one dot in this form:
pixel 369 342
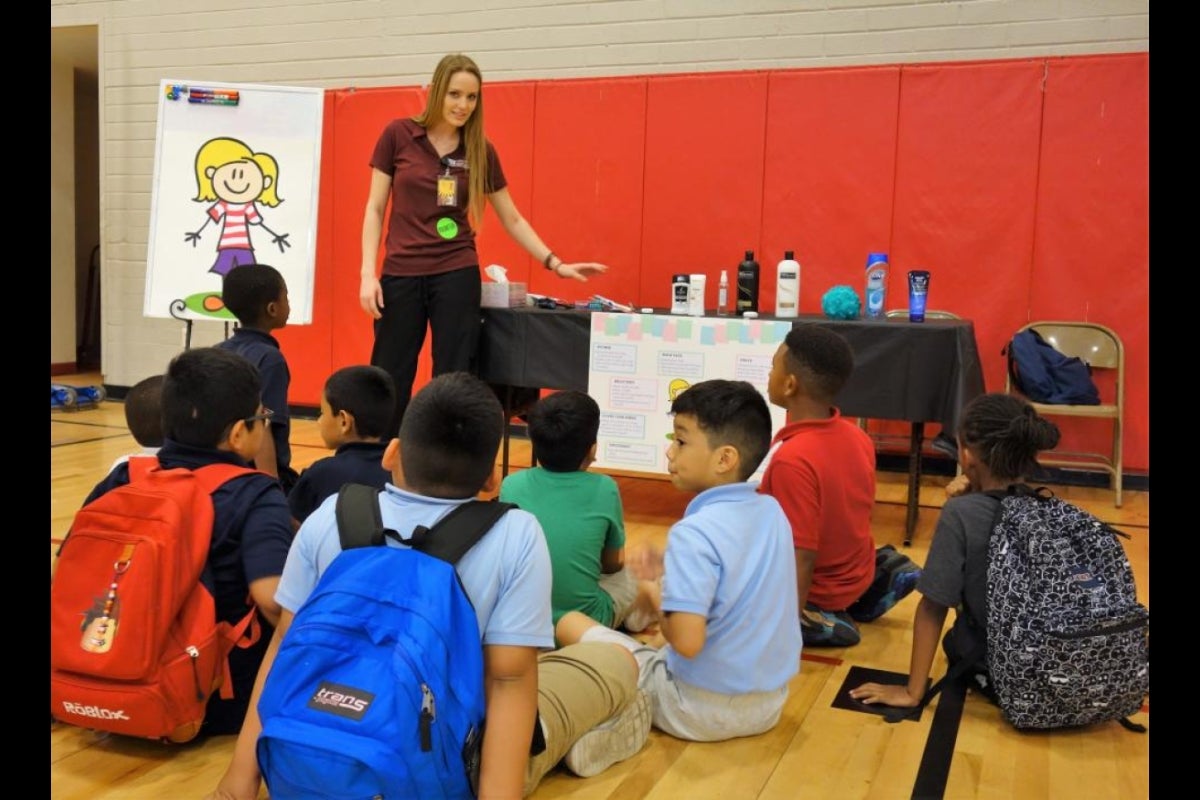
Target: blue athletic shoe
pixel 820 628
pixel 896 575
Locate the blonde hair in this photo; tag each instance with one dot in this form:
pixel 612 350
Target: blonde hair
pixel 216 153
pixel 474 141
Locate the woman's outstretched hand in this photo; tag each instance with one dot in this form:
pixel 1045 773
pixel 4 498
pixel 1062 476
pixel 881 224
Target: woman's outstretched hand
pixel 370 296
pixel 579 270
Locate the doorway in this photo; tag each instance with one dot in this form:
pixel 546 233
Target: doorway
pixel 75 199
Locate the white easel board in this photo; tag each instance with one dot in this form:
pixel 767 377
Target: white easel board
pixel 236 182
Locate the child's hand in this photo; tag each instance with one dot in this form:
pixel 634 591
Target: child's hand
pixel 645 563
pixel 959 486
pixel 885 693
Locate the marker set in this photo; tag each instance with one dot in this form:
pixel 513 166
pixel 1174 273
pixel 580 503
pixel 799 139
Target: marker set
pixel 210 97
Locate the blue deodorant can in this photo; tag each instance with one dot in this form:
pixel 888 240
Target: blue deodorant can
pixel 877 275
pixel 918 292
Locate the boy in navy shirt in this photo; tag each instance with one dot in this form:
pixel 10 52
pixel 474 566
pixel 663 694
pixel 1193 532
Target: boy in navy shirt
pixel 257 295
pixel 356 407
pixel 211 413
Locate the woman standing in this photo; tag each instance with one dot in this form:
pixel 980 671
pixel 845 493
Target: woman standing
pixel 439 170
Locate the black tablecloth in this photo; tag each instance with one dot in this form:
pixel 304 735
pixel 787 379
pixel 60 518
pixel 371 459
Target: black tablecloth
pixel 920 372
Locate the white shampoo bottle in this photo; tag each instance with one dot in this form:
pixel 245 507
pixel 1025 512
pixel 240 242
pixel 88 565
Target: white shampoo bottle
pixel 787 286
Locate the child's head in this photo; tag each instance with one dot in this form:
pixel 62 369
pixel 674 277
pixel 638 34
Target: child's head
pixel 812 362
pixel 722 431
pixel 563 428
pixel 210 398
pixel 143 411
pixel 449 437
pixel 257 295
pixel 357 404
pixel 1004 433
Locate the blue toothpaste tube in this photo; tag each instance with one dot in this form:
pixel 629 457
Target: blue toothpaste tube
pixel 918 291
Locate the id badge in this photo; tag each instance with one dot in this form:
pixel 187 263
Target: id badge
pixel 447 189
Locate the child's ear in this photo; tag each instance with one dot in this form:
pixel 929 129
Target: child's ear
pixel 728 459
pixel 345 422
pixel 391 462
pixel 391 456
pixel 590 458
pixel 791 385
pixel 238 441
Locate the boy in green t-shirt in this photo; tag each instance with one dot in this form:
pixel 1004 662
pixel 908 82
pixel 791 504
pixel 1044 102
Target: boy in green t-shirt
pixel 580 512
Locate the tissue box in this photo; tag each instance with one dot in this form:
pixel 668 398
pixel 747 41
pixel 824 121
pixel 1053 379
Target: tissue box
pixel 503 295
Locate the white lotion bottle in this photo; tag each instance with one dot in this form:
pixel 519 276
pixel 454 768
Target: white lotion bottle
pixel 787 286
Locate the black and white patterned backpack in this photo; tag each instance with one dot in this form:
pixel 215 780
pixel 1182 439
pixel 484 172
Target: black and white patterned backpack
pixel 1068 642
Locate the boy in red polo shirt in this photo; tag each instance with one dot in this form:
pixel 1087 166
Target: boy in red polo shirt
pixel 821 469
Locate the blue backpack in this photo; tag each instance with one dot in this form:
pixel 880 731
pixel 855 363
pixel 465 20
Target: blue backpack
pixel 377 689
pixel 1044 375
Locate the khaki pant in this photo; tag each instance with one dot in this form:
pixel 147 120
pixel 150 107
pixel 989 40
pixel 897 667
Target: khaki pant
pixel 579 687
pixel 689 712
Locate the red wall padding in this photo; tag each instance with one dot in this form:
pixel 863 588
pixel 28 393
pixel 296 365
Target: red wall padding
pixel 1022 185
pixel 1091 255
pixel 829 168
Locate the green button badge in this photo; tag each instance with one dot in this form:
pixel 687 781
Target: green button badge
pixel 447 228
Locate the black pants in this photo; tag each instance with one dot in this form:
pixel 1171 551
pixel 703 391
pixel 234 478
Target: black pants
pixel 449 305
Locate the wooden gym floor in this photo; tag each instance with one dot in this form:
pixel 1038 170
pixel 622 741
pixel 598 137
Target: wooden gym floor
pixel 816 751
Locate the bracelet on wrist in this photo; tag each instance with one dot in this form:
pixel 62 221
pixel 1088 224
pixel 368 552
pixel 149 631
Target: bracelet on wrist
pixel 550 257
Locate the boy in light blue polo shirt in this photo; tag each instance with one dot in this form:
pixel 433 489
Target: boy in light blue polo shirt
pixel 583 701
pixel 728 594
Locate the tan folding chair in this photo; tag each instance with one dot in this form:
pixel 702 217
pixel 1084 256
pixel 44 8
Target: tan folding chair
pixel 1101 349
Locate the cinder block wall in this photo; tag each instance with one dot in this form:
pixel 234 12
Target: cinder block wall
pixel 368 43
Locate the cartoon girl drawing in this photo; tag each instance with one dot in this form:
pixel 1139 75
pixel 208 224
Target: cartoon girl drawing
pixel 238 179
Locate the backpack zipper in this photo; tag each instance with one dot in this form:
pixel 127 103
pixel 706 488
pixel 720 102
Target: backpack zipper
pixel 1124 627
pixel 195 654
pixel 428 714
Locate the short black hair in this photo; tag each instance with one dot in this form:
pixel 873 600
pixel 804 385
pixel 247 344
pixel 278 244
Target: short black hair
pixel 563 428
pixel 730 413
pixel 143 411
pixel 449 436
pixel 367 393
pixel 821 359
pixel 1006 433
pixel 205 391
pixel 248 289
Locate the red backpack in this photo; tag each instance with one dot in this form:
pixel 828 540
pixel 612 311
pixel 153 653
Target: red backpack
pixel 135 645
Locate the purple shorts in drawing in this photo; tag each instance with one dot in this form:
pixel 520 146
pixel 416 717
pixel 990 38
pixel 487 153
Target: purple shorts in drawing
pixel 232 257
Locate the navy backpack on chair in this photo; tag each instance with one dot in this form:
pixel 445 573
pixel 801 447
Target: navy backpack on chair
pixel 1045 375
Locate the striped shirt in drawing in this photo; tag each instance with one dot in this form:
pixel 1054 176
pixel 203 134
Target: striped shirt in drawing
pixel 234 234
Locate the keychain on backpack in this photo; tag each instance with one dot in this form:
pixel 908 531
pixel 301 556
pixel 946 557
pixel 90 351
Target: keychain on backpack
pixel 100 624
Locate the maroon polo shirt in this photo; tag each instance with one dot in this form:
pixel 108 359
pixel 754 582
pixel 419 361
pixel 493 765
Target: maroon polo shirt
pixel 424 238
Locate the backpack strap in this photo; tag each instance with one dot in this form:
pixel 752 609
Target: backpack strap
pixel 358 519
pixel 458 531
pixel 360 524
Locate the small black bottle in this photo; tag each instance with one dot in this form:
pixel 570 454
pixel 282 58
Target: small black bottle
pixel 747 284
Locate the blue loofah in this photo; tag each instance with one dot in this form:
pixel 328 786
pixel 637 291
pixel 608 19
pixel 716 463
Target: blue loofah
pixel 841 302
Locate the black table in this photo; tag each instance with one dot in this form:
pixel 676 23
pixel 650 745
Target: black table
pixel 917 372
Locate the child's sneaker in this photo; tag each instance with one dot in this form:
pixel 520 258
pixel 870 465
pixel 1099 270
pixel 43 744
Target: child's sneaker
pixel 613 740
pixel 896 575
pixel 821 628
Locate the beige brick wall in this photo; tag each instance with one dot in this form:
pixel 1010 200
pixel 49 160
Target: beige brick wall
pixel 397 42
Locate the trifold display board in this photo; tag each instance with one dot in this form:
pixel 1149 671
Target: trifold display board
pixel 236 182
pixel 639 363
